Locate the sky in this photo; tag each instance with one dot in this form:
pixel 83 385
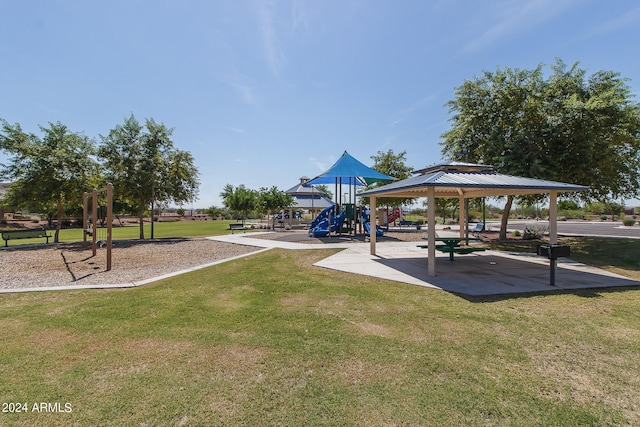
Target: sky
pixel 263 92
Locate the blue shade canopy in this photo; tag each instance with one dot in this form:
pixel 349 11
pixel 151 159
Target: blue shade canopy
pixel 351 172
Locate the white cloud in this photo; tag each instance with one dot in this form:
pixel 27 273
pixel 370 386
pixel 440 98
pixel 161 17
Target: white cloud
pixel 236 130
pixel 515 18
pixel 241 85
pixel 401 115
pixel 272 51
pixel 628 19
pixel 319 164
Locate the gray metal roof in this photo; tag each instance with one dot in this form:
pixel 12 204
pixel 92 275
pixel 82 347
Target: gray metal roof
pixel 305 201
pixel 470 184
pixel 304 189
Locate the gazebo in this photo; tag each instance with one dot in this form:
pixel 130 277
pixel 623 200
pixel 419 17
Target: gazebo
pixel 308 197
pixel 464 181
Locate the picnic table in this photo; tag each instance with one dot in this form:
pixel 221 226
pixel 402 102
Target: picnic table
pixel 451 245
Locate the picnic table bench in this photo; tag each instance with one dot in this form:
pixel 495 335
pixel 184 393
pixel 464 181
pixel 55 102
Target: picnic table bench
pixel 24 234
pixel 451 245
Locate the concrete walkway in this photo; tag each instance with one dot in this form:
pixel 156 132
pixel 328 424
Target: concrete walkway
pixel 477 274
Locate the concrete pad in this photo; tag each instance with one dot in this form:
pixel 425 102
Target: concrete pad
pixel 477 274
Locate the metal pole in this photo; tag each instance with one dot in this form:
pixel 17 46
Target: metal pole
pixel 85 217
pixel 94 220
pixel 109 223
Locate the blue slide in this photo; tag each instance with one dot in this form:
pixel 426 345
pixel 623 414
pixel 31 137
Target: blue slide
pixel 322 216
pixel 367 225
pixel 321 227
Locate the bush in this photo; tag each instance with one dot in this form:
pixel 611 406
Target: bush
pixel 629 221
pixel 534 232
pixel 515 233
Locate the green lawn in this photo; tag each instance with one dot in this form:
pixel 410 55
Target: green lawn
pixel 270 340
pixel 162 230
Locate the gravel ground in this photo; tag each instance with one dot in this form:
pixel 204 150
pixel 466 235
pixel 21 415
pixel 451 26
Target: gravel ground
pixel 73 264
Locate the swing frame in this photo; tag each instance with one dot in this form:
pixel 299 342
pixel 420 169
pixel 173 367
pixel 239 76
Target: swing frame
pixel 91 229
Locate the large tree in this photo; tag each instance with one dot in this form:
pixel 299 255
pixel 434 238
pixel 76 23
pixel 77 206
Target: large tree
pixel 564 127
pixel 272 199
pixel 50 173
pixel 144 166
pixel 239 199
pixel 391 164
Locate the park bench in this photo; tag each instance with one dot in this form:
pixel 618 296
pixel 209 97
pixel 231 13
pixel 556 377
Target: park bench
pixel 24 234
pixel 237 226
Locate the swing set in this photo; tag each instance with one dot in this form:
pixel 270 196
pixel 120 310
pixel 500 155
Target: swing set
pixel 99 223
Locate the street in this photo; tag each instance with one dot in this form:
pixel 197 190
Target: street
pixel 576 228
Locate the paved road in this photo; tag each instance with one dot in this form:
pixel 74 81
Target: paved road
pixel 578 228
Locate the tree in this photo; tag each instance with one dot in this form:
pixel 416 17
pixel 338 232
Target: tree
pixel 393 165
pixel 325 190
pixel 272 199
pixel 144 167
pixel 49 173
pixel 566 127
pixel 239 199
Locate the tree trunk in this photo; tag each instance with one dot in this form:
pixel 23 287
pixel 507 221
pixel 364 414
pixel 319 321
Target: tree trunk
pixel 57 233
pixel 505 218
pixel 141 221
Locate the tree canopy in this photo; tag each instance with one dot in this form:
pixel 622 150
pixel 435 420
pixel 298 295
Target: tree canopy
pixel 566 127
pixel 48 173
pixel 144 166
pixel 239 199
pixel 392 164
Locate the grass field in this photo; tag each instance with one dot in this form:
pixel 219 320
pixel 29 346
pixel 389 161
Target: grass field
pixel 162 230
pixel 271 340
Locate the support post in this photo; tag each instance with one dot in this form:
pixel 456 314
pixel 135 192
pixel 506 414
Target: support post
pixel 431 231
pixel 553 232
pixel 109 223
pixel 85 217
pixel 553 217
pixel 461 215
pixel 373 222
pixel 94 221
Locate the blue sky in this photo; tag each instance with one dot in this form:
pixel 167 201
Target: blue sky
pixel 264 92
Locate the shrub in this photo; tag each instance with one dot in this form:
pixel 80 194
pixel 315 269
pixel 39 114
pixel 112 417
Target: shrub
pixel 534 232
pixel 515 233
pixel 629 221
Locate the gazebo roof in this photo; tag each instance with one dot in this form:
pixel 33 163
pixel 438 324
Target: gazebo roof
pixel 469 180
pixel 304 189
pixel 305 201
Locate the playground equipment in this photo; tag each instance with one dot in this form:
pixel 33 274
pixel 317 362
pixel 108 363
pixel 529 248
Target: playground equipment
pixel 101 219
pixel 394 215
pixel 326 222
pixel 366 215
